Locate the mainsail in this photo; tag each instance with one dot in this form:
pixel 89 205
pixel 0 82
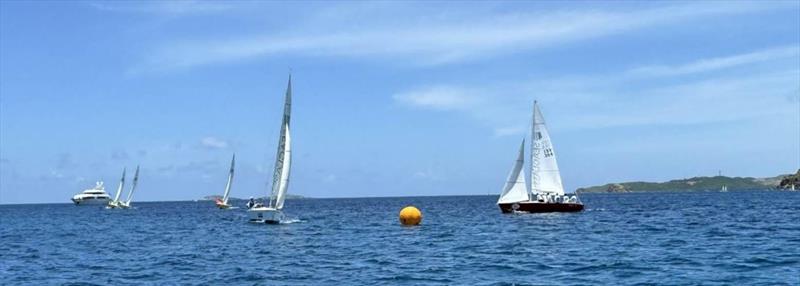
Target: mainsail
pixel 133 187
pixel 283 160
pixel 230 181
pixel 119 189
pixel 545 177
pixel 514 190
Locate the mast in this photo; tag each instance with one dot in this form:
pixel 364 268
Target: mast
pixel 531 190
pixel 133 187
pixel 280 176
pixel 230 181
pixel 121 185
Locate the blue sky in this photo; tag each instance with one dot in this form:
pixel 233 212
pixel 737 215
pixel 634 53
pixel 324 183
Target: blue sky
pixel 390 98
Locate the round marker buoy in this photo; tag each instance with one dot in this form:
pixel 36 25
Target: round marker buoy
pixel 410 215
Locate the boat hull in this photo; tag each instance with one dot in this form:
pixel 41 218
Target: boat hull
pixel 265 215
pixel 90 202
pixel 539 207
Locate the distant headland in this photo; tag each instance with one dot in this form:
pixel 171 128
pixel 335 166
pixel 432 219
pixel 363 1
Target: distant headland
pixel 716 183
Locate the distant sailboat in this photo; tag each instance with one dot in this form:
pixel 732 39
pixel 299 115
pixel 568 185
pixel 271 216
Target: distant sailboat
pixel 724 188
pixel 223 204
pixel 280 177
pixel 546 193
pixel 127 203
pixel 115 203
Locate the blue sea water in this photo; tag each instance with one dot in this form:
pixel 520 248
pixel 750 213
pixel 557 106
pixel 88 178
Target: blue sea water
pixel 734 238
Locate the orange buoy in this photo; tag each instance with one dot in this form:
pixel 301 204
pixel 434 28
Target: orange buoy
pixel 410 215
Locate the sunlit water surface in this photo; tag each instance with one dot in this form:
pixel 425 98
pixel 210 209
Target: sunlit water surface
pixel 734 238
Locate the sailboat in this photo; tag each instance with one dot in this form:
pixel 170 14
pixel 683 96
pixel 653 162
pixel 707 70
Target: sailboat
pixel 545 193
pixel 272 213
pixel 223 203
pixel 724 188
pixel 115 203
pixel 127 203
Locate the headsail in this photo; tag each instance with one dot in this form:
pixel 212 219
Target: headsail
pixel 230 181
pixel 121 186
pixel 133 187
pixel 514 189
pixel 283 160
pixel 545 177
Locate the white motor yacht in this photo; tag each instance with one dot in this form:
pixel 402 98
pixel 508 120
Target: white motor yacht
pixel 93 196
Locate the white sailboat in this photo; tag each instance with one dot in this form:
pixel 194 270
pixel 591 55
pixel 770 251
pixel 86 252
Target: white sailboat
pixel 223 203
pixel 724 188
pixel 546 192
pixel 127 203
pixel 272 213
pixel 115 203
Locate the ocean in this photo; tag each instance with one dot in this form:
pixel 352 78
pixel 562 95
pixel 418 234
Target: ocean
pixel 708 238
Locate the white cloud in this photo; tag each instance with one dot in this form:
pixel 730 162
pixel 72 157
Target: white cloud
pixel 420 40
pixel 213 143
pixel 618 99
pixel 712 64
pixel 173 7
pixel 439 97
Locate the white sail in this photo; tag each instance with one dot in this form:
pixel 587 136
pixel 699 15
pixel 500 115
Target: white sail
pixel 514 189
pixel 121 186
pixel 230 181
pixel 545 177
pixel 283 159
pixel 287 164
pixel 133 187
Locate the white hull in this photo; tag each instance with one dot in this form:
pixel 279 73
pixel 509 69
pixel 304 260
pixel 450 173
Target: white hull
pixel 93 202
pixel 265 215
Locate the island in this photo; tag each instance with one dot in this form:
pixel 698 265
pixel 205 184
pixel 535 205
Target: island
pixel 715 183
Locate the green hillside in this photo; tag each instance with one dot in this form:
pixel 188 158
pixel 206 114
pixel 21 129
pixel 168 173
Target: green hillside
pixel 691 184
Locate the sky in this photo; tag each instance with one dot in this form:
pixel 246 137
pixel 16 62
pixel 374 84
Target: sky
pixel 390 98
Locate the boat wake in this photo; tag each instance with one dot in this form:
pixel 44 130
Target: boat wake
pixel 291 221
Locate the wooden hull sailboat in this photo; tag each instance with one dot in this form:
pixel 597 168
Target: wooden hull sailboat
pixel 272 213
pixel 545 193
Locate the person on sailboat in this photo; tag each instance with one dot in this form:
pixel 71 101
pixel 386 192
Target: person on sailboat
pixel 251 203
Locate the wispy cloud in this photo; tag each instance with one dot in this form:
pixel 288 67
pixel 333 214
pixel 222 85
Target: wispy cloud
pixel 213 143
pixel 172 7
pixel 430 40
pixel 713 64
pixel 620 99
pixel 439 97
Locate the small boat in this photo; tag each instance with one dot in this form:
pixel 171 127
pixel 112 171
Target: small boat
pixel 93 196
pixel 272 213
pixel 223 203
pixel 546 193
pixel 127 203
pixel 115 203
pixel 724 188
